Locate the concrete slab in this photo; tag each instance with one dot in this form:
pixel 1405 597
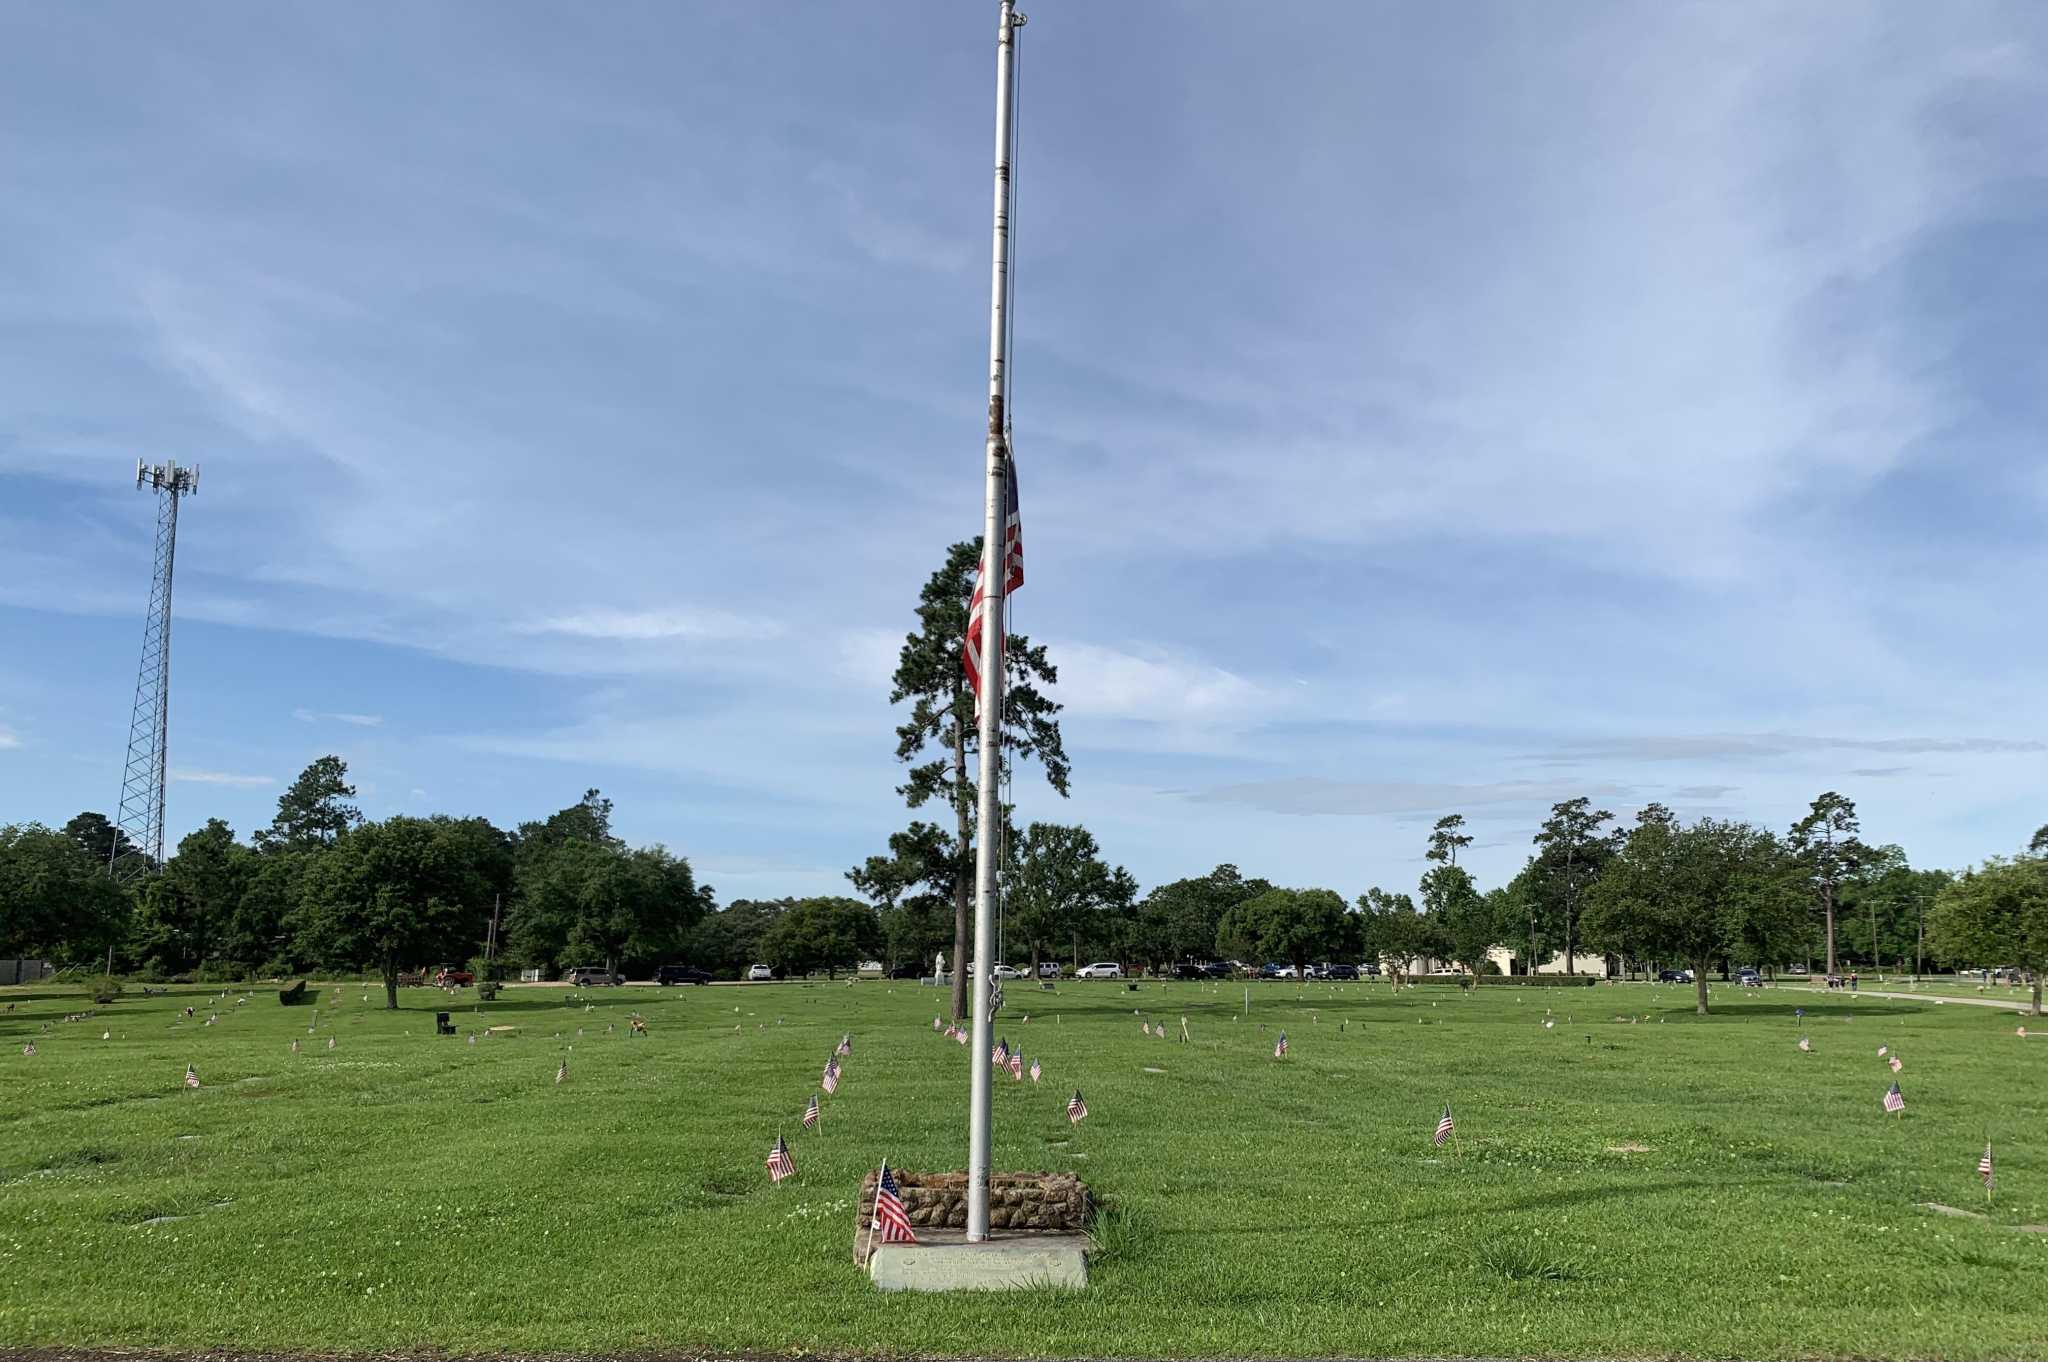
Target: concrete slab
pixel 993 1265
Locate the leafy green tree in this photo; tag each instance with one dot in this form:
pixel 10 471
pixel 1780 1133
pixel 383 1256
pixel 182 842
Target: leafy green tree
pixel 553 860
pixel 187 911
pixel 1391 931
pixel 405 892
pixel 1463 919
pixel 726 941
pixel 827 934
pixel 912 888
pixel 1681 893
pixel 1056 880
pixel 590 900
pixel 1447 839
pixel 2038 845
pixel 259 928
pixel 314 810
pixel 1826 842
pixel 1880 910
pixel 589 819
pixel 100 837
pixel 1571 851
pixel 939 736
pixel 1187 912
pixel 56 898
pixel 1295 925
pixel 1996 916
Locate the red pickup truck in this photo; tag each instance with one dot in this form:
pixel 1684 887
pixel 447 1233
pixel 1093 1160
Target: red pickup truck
pixel 454 978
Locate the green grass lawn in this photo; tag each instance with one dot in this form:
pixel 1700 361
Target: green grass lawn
pixel 1673 1187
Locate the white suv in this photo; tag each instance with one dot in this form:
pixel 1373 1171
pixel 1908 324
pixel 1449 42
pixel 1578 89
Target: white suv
pixel 760 974
pixel 1101 969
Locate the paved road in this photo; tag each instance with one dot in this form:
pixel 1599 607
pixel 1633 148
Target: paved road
pixel 2009 1004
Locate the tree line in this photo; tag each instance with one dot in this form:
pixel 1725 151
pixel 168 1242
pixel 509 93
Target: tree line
pixel 323 888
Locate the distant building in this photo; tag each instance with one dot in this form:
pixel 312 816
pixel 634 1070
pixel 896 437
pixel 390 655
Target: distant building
pixel 1516 962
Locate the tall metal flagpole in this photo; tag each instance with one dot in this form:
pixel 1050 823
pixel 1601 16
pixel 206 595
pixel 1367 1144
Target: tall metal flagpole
pixel 989 719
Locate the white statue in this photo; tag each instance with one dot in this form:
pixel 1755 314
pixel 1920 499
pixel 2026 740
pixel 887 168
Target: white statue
pixel 939 965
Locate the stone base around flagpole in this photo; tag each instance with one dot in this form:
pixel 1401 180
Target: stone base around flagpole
pixel 1038 1234
pixel 944 1261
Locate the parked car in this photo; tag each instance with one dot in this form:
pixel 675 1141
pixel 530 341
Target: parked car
pixel 1674 976
pixel 454 978
pixel 1216 969
pixel 681 974
pixel 1281 972
pixel 1749 978
pixel 1006 972
pixel 590 976
pixel 1048 969
pixel 759 974
pixel 1269 970
pixel 909 971
pixel 1101 969
pixel 1340 972
pixel 1189 971
pixel 1369 968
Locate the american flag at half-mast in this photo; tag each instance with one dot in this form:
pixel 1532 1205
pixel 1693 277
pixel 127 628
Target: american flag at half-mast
pixel 1895 1100
pixel 1444 1126
pixel 811 1113
pixel 890 1218
pixel 1984 1165
pixel 780 1164
pixel 1077 1110
pixel 1013 577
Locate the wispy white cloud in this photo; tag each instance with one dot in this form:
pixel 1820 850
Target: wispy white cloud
pixel 650 625
pixel 313 716
pixel 8 738
pixel 1312 795
pixel 187 775
pixel 1161 684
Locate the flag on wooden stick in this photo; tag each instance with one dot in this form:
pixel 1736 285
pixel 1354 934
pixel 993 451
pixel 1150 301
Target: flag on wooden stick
pixel 891 1220
pixel 780 1164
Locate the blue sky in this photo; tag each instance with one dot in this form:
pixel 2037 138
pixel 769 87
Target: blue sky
pixel 1420 409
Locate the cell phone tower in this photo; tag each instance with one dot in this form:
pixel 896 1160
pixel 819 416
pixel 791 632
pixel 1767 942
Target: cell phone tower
pixel 141 851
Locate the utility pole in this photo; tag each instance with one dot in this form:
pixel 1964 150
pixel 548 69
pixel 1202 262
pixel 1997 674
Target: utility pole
pixel 141 813
pixel 994 570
